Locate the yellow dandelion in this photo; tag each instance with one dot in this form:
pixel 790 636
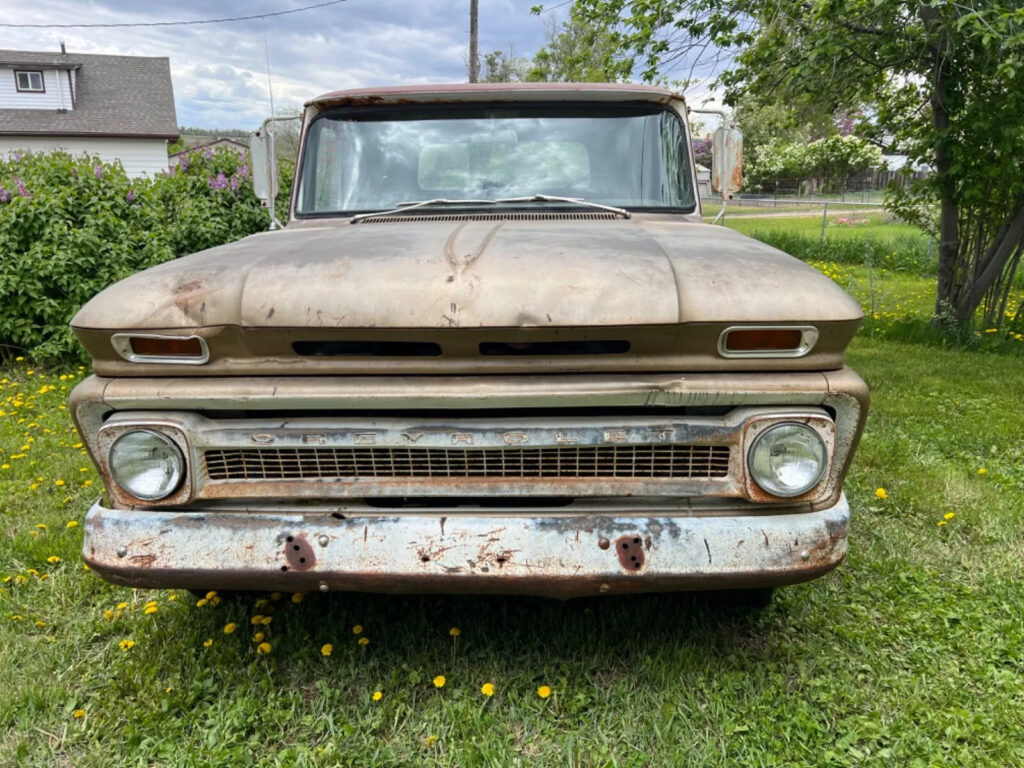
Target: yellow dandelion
pixel 880 493
pixel 544 691
pixel 364 641
pixel 263 649
pixel 378 695
pixel 40 623
pixel 258 637
pixel 87 483
pixel 487 689
pixel 357 629
pixel 297 598
pixel 949 516
pixel 454 631
pixel 201 602
pixel 207 642
pixel 58 482
pixel 172 597
pixel 41 526
pixel 108 615
pixel 229 628
pixel 127 645
pixel 53 559
pixel 149 610
pixel 77 445
pixel 169 689
pixel 262 602
pixel 78 714
pixel 121 606
pixel 982 471
pixel 72 524
pixel 942 523
pixel 275 596
pixel 326 649
pixel 16 617
pixel 19 359
pixel 265 620
pixel 257 619
pixel 211 594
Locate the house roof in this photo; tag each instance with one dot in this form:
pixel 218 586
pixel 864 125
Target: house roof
pixel 125 96
pixel 192 144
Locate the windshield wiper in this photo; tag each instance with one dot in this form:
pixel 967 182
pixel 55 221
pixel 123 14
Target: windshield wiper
pixel 555 199
pixel 414 204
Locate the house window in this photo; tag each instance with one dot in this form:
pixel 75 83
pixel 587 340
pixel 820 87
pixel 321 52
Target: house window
pixel 29 80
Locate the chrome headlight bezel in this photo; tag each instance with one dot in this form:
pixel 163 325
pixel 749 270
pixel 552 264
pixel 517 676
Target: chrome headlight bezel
pixel 771 485
pixel 177 466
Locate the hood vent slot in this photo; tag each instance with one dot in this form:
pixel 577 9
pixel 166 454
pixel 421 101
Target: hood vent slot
pixel 494 216
pixel 367 348
pixel 520 348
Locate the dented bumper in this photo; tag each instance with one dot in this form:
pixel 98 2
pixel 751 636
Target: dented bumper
pixel 551 555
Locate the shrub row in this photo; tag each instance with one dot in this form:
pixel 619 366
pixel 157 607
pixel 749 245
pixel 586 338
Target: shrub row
pixel 70 226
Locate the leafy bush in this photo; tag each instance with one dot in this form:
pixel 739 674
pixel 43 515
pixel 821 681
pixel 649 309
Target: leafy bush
pixel 899 254
pixel 70 226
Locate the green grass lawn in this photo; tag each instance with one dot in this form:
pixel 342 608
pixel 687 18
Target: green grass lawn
pixel 864 224
pixel 910 654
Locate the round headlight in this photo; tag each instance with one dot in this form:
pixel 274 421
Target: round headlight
pixel 146 464
pixel 787 459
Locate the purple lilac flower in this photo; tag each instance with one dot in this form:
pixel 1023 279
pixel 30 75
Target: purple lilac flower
pixel 5 196
pixel 98 170
pixel 22 189
pixel 130 197
pixel 208 153
pixel 243 170
pixel 234 183
pixel 183 161
pixel 219 182
pixel 16 156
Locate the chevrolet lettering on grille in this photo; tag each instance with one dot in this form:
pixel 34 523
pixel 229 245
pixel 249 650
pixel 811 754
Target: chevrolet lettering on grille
pixel 590 436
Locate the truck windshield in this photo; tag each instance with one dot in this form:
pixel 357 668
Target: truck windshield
pixel 369 159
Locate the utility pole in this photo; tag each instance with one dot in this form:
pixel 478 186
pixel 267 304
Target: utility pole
pixel 474 58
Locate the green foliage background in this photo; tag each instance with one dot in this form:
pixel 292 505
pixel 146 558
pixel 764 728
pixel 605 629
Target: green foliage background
pixel 70 226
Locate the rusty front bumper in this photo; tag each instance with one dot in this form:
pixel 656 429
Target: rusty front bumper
pixel 554 555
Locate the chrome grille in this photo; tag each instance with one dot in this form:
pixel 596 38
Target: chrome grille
pixel 669 461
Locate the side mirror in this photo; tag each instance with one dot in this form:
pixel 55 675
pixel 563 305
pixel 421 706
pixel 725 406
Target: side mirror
pixel 264 165
pixel 727 161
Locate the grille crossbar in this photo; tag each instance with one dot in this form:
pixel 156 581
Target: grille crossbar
pixel 668 461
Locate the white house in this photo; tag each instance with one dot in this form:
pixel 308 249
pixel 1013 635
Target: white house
pixel 117 107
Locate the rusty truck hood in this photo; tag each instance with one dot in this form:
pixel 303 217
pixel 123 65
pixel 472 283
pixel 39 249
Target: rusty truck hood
pixel 648 270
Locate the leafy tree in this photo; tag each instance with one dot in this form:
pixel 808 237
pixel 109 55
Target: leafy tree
pixel 502 67
pixel 581 51
pixel 943 83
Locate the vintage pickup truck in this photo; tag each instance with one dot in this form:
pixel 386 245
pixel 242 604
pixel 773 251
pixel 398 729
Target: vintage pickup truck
pixel 495 348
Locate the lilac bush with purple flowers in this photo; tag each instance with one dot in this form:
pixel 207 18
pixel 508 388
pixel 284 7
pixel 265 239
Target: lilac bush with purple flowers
pixel 70 226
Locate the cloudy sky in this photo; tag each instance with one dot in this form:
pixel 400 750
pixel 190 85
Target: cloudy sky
pixel 220 70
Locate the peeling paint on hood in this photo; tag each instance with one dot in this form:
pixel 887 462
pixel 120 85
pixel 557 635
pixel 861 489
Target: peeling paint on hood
pixel 648 270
